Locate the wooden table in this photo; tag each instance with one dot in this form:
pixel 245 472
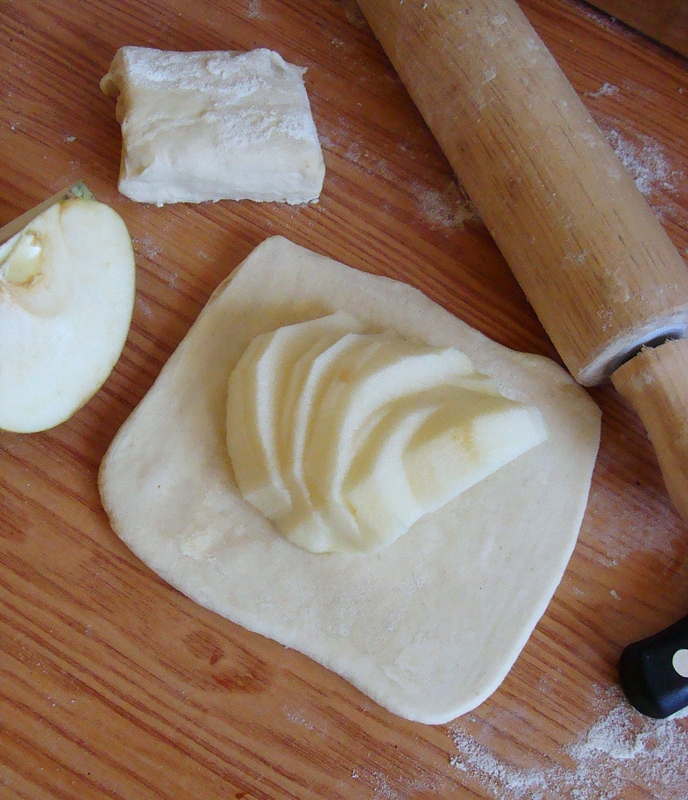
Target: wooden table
pixel 116 686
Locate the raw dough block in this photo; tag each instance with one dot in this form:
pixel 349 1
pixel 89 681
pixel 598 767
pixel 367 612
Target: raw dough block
pixel 429 626
pixel 215 125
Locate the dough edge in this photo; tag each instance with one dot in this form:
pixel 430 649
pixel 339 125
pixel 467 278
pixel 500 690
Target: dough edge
pixel 212 564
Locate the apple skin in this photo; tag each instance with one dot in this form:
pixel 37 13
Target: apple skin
pixel 67 284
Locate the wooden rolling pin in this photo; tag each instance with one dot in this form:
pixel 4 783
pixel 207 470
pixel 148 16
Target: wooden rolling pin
pixel 598 268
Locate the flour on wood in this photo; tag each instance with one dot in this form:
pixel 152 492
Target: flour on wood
pixel 620 750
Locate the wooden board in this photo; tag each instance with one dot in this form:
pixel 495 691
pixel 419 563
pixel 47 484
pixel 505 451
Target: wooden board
pixel 663 20
pixel 113 684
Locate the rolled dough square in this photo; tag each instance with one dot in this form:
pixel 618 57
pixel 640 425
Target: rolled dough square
pixel 428 626
pixel 200 126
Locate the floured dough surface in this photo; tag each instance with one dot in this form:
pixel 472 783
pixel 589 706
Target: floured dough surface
pixel 427 627
pixel 199 126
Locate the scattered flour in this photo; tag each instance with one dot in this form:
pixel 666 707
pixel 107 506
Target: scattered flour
pixel 621 750
pixel 396 787
pixel 602 20
pixel 605 90
pixel 648 164
pixel 635 532
pixel 148 246
pixel 144 305
pixel 255 10
pixel 446 208
pixel 297 718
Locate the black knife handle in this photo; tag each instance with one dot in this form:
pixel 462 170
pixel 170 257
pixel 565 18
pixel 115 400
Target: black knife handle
pixel 654 672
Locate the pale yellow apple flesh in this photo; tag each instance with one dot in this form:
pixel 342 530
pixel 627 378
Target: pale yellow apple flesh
pixel 430 452
pixel 378 432
pixel 258 390
pixel 66 300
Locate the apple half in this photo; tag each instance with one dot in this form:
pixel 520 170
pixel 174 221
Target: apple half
pixel 66 302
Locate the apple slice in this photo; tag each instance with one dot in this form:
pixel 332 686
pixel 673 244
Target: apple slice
pixel 66 300
pixel 463 443
pixel 257 395
pixel 430 449
pixel 304 524
pixel 376 490
pixel 344 439
pixel 352 405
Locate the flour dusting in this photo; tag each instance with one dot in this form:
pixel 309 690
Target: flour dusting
pixel 648 164
pixel 255 10
pixel 604 21
pixel 634 532
pixel 147 245
pixel 297 717
pixel 144 305
pixel 396 787
pixel 446 208
pixel 622 749
pixel 606 90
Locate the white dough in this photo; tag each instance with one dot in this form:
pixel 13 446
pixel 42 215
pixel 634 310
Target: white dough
pixel 214 125
pixel 427 627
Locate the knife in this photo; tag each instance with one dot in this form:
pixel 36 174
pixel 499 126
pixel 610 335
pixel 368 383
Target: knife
pixel 605 280
pixel 17 225
pixel 654 672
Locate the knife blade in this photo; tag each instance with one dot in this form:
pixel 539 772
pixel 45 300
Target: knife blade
pixel 18 224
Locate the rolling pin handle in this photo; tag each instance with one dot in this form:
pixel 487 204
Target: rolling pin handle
pixel 654 672
pixel 655 383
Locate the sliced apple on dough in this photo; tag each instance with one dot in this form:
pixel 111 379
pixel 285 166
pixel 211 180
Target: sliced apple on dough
pixel 428 626
pixel 400 369
pixel 427 450
pixel 376 489
pixel 437 427
pixel 465 441
pixel 66 300
pixel 304 523
pixel 384 369
pixel 257 393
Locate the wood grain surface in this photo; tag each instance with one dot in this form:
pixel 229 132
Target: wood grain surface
pixel 113 685
pixel 663 20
